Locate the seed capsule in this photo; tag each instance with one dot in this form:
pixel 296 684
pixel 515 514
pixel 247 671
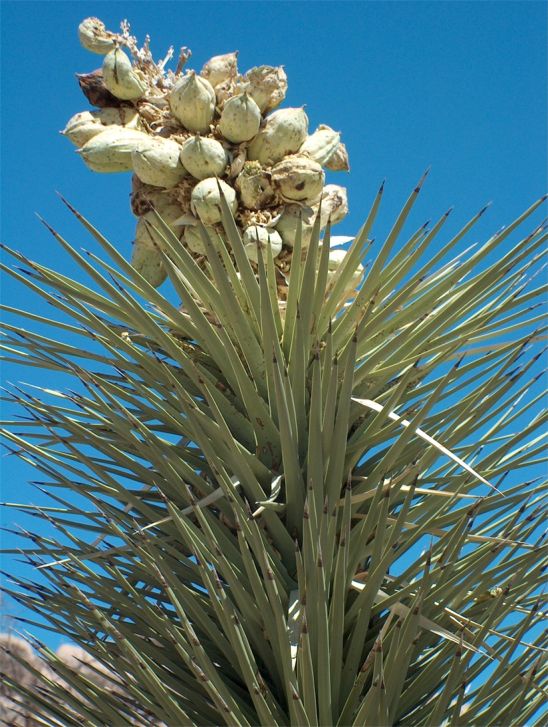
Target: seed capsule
pixel 225 90
pixel 334 204
pixel 263 237
pixel 120 78
pixel 193 238
pixel 206 200
pixel 266 85
pixel 145 197
pixel 123 116
pixel 158 163
pixel 321 145
pixel 283 133
pixel 192 102
pixel 95 37
pixel 93 87
pixel 240 119
pixel 204 157
pixel 110 151
pixel 170 214
pixel 146 256
pixel 338 161
pixel 148 261
pixel 298 178
pixel 288 224
pixel 83 126
pixel 255 187
pixel 220 68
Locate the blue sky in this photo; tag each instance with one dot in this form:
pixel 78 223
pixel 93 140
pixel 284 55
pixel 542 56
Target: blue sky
pixel 458 86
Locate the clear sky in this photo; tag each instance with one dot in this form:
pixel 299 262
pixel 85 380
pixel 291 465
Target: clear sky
pixel 458 86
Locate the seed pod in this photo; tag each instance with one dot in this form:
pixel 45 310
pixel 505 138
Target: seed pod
pixel 321 145
pixel 255 187
pixel 83 126
pixel 93 87
pixel 147 260
pixel 95 37
pixel 298 178
pixel 120 78
pixel 283 133
pixel 263 237
pixel 146 233
pixel 110 151
pixel 158 163
pixel 144 197
pixel 205 200
pixel 204 157
pixel 192 102
pixel 193 238
pixel 122 116
pixel 338 161
pixel 288 224
pixel 220 68
pixel 240 119
pixel 225 90
pixel 334 203
pixel 267 86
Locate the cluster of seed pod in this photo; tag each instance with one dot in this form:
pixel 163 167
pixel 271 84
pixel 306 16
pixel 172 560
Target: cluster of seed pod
pixel 187 136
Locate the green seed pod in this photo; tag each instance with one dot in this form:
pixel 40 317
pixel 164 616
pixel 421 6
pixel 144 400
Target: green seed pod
pixel 192 102
pixel 267 86
pixel 158 163
pixel 203 157
pixel 298 178
pixel 85 125
pixel 81 128
pixel 110 151
pixel 338 161
pixel 95 37
pixel 205 200
pixel 288 224
pixel 255 187
pixel 321 145
pixel 148 261
pixel 146 256
pixel 283 133
pixel 257 236
pixel 220 68
pixel 120 78
pixel 122 116
pixel 240 119
pixel 193 238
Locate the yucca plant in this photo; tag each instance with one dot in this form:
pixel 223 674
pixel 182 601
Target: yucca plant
pixel 305 484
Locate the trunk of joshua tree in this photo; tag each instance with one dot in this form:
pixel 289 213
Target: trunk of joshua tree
pixel 297 513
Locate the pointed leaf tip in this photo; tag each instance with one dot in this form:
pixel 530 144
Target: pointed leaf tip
pixel 422 180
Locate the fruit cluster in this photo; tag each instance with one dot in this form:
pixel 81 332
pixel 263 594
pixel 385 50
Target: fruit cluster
pixel 188 137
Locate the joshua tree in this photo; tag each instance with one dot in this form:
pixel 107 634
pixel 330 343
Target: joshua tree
pixel 296 472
